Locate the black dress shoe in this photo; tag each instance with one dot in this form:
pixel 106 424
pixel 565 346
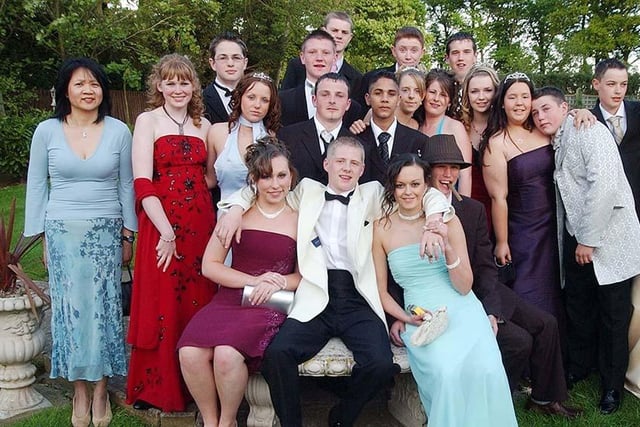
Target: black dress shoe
pixel 609 402
pixel 554 408
pixel 142 405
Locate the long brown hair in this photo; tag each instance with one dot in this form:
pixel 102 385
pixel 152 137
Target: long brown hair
pixel 170 66
pixel 397 164
pixel 466 112
pixel 272 119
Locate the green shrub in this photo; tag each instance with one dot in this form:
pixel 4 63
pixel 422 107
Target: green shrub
pixel 15 140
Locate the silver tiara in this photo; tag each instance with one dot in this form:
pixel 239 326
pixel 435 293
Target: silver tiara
pixel 516 76
pixel 262 76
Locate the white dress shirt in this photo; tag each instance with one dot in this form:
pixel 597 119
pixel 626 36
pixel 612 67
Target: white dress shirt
pixel 391 131
pixel 223 97
pixel 308 92
pixel 331 230
pixel 620 113
pixel 320 128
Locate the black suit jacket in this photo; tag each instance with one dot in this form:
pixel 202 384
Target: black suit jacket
pixel 304 146
pixel 296 74
pixel 629 146
pixel 364 86
pixel 405 140
pixel 294 108
pixel 213 106
pixel 497 298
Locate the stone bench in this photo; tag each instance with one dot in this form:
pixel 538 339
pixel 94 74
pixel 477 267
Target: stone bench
pixel 335 360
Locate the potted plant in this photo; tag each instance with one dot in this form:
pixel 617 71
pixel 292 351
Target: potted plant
pixel 21 338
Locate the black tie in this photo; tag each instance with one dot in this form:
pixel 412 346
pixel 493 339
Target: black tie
pixel 342 199
pixel 327 138
pixel 226 91
pixel 383 148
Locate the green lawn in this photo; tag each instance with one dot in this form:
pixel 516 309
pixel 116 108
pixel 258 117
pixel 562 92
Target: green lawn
pixel 585 394
pixel 61 415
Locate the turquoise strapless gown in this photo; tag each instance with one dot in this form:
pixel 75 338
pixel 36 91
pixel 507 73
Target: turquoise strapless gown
pixel 460 376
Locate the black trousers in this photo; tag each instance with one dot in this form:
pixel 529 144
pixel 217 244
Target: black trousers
pixel 530 339
pixel 349 317
pixel 598 321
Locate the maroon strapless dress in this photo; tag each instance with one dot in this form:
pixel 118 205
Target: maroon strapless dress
pixel 247 329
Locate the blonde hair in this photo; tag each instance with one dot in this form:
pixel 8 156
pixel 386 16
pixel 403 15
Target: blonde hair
pixel 178 66
pixel 466 112
pixel 416 74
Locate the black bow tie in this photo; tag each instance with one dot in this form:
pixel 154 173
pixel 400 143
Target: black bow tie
pixel 226 91
pixel 342 199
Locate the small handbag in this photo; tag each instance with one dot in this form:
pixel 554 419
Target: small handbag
pixel 432 327
pixel 127 283
pixel 506 272
pixel 281 301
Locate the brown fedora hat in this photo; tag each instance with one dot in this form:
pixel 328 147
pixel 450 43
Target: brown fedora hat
pixel 442 149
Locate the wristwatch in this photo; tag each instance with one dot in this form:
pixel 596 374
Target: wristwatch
pixel 129 239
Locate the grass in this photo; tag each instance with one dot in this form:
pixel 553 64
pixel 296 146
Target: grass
pixel 585 395
pixel 61 415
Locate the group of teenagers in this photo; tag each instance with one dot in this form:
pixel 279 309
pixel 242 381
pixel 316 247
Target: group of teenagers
pixel 364 194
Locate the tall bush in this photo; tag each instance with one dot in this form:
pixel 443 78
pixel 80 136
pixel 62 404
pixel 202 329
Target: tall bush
pixel 15 139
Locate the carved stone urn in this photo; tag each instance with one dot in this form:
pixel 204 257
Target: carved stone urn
pixel 21 339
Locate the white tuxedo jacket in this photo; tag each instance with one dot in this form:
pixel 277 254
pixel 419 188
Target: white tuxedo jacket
pixel 312 295
pixel 594 197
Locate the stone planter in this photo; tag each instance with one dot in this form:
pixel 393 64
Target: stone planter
pixel 21 339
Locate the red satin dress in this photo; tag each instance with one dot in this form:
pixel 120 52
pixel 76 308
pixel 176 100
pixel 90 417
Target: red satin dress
pixel 163 303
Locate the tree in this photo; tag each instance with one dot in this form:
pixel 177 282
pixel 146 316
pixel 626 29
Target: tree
pixel 375 25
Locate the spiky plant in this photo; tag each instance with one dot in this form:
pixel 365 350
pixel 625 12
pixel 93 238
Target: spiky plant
pixel 10 268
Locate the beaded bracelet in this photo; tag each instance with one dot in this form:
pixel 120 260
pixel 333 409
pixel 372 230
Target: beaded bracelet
pixel 454 264
pixel 172 239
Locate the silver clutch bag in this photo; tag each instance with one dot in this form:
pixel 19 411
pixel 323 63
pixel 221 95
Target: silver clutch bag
pixel 433 326
pixel 281 301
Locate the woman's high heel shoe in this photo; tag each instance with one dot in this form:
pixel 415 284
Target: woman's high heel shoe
pixel 80 420
pixel 106 418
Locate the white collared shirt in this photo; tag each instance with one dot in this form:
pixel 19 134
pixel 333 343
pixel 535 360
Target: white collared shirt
pixel 331 229
pixel 226 100
pixel 620 113
pixel 339 63
pixel 320 127
pixel 391 131
pixel 308 92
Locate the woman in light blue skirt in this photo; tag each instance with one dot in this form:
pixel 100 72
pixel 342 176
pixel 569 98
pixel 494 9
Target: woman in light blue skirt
pixel 80 194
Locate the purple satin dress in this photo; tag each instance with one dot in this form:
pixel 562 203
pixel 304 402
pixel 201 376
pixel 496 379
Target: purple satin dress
pixel 532 229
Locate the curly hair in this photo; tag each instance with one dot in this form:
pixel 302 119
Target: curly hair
pixel 272 119
pixel 180 67
pixel 466 112
pixel 397 164
pixel 259 155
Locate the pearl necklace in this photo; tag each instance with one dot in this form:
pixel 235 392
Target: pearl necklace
pixel 272 215
pixel 410 217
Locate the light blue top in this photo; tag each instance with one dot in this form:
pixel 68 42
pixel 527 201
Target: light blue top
pixel 231 172
pixel 440 126
pixel 60 185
